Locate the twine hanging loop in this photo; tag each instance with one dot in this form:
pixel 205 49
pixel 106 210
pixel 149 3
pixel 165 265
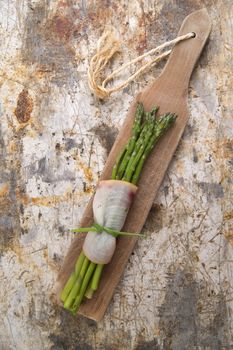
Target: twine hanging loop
pixel 107 46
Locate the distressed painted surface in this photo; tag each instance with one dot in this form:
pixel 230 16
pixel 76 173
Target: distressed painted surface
pixel 177 290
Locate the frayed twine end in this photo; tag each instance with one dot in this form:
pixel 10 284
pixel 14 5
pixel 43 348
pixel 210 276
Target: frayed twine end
pixel 107 46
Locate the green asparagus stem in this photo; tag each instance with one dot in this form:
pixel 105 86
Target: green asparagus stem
pixel 79 263
pixel 89 291
pixel 147 128
pixel 73 277
pixel 69 284
pixel 121 165
pixel 83 288
pixel 162 125
pixel 96 277
pixel 94 283
pixel 118 162
pixel 136 155
pixel 75 290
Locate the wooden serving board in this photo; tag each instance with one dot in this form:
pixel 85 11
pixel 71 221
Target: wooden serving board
pixel 169 91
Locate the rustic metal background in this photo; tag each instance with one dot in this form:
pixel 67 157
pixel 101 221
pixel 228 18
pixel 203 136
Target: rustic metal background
pixel 177 290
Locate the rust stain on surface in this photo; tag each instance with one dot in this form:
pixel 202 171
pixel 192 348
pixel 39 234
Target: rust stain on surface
pixel 47 45
pixel 61 27
pixel 4 189
pixel 24 107
pixel 228 215
pixel 49 201
pixel 86 170
pixel 229 236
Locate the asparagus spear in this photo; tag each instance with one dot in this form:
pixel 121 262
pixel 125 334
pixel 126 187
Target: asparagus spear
pixel 119 167
pixel 162 125
pixel 73 277
pixel 85 279
pixel 68 304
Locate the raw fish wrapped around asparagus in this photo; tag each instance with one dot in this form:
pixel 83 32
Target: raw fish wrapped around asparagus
pixel 110 207
pixel 111 203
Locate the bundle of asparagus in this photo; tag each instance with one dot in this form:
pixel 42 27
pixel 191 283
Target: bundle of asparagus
pixel 110 206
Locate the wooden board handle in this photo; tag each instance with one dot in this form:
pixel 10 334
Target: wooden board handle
pixel 162 93
pixel 185 54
